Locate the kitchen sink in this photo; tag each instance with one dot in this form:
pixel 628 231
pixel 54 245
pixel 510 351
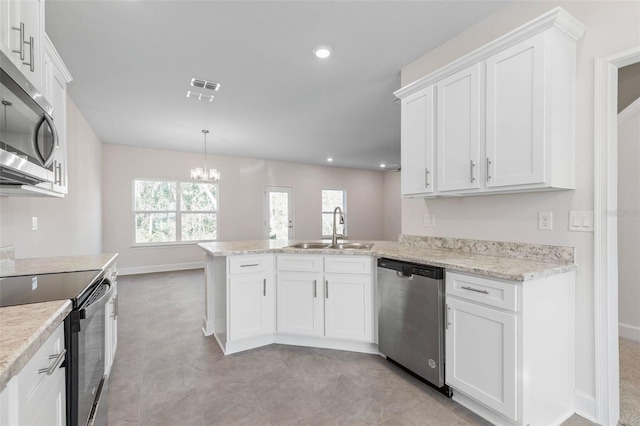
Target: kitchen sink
pixel 352 246
pixel 310 245
pixel 339 246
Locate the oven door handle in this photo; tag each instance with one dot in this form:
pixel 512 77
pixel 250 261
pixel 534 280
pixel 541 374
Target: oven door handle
pixel 93 308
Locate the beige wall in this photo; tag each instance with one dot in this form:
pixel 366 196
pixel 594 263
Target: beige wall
pixel 66 226
pixel 392 206
pixel 241 199
pixel 610 26
pixel 629 225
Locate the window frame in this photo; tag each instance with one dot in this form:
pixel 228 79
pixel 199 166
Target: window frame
pixel 178 212
pixel 344 210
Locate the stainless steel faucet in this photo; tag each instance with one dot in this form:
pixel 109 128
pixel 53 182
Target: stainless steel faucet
pixel 334 238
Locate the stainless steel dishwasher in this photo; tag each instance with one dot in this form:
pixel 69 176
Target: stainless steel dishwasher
pixel 411 318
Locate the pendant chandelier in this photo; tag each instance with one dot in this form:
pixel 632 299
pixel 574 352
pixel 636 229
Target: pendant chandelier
pixel 205 175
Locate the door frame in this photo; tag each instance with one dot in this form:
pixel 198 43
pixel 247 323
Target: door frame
pixel 607 369
pixel 265 209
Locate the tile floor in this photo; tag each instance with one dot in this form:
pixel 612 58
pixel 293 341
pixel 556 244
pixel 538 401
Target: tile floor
pixel 167 373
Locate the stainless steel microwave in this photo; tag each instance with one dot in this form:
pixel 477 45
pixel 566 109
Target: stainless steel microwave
pixel 28 137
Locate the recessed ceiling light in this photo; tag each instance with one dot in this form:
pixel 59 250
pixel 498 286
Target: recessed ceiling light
pixel 329 159
pixel 205 84
pixel 199 96
pixel 322 52
pixel 382 165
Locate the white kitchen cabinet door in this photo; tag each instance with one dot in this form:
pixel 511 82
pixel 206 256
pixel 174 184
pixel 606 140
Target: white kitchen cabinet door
pixel 300 303
pixel 52 410
pixel 251 305
pixel 348 307
pixel 418 138
pixel 458 130
pixel 111 328
pixel 481 354
pixel 515 139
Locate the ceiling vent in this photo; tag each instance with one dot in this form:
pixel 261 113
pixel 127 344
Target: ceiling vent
pixel 205 84
pixel 199 95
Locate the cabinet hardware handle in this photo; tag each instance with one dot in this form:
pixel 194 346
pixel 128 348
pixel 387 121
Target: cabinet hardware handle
pixel 489 163
pixel 21 30
pixel 476 290
pixel 426 178
pixel 315 288
pixel 52 368
pixel 471 166
pixel 58 173
pixel 252 264
pixel 115 307
pixel 264 287
pixel 326 289
pixel 31 62
pixel 446 317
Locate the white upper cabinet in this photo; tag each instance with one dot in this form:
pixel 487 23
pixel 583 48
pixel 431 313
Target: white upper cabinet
pixel 515 115
pixel 22 37
pixel 504 115
pixel 458 130
pixel 418 140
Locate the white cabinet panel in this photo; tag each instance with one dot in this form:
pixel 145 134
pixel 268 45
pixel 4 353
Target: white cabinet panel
pixel 348 310
pixel 299 263
pixel 515 115
pixel 458 130
pixel 300 303
pixel 347 264
pixel 418 140
pixel 481 355
pixel 251 307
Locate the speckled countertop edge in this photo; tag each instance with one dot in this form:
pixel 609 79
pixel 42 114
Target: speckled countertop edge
pixel 23 330
pixel 508 268
pixel 54 265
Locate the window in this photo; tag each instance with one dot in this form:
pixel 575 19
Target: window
pixel 170 211
pixel 332 198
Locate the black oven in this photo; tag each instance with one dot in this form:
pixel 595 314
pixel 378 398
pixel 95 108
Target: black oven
pixel 85 340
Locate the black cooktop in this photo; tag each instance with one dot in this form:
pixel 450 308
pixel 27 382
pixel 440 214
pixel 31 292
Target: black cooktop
pixel 27 289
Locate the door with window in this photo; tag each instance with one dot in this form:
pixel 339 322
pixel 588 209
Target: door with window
pixel 278 213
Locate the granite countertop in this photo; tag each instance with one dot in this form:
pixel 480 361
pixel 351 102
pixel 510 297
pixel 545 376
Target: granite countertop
pixel 465 258
pixel 53 265
pixel 23 330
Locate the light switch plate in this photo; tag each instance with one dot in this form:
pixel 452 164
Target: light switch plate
pixel 34 223
pixel 581 221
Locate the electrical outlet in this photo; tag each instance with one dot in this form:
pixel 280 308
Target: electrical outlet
pixel 545 221
pixel 34 223
pixel 429 221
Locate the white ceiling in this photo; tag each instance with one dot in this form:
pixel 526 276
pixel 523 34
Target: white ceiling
pixel 132 62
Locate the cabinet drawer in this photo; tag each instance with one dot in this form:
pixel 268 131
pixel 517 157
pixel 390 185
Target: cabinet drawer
pixel 34 385
pixel 302 263
pixel 347 264
pixel 249 264
pixel 490 292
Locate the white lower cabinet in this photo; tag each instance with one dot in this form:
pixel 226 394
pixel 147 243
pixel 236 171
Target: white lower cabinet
pixel 36 395
pixel 111 320
pixel 330 304
pixel 251 296
pixel 510 347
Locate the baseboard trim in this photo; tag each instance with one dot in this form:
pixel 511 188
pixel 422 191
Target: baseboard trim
pixel 585 406
pixel 161 268
pixel 630 332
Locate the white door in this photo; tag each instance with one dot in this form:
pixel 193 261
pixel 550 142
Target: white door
pixel 300 301
pixel 278 213
pixel 251 306
pixel 418 136
pixel 348 307
pixel 481 354
pixel 458 130
pixel 515 115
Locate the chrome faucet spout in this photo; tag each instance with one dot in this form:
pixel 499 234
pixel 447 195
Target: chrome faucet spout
pixel 334 238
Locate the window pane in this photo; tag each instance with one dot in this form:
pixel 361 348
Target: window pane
pixel 198 226
pixel 327 224
pixel 332 199
pixel 198 197
pixel 155 195
pixel 155 227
